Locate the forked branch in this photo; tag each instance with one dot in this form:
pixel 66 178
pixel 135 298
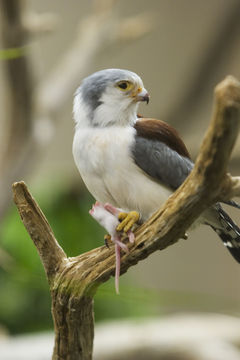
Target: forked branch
pixel 51 254
pixel 73 281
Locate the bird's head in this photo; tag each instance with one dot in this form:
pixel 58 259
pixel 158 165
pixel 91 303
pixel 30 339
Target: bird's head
pixel 109 97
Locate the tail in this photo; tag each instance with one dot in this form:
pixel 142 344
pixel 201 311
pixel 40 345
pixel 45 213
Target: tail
pixel 229 233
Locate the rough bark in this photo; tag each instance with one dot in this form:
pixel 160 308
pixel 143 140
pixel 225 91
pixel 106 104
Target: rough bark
pixel 74 326
pixel 73 281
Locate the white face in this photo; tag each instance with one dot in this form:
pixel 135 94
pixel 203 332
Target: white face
pixel 119 103
pixel 110 102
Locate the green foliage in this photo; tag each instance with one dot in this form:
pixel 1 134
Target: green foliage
pixel 12 53
pixel 25 300
pixel 23 287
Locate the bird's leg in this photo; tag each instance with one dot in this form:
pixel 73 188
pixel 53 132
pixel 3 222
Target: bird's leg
pixel 117 213
pixel 127 220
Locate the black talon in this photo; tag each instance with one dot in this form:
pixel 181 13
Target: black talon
pixel 106 238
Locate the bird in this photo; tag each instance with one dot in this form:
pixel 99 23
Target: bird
pixel 132 162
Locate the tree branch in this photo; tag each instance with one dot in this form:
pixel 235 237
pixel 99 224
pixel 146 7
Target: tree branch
pixel 50 252
pixel 75 280
pixel 235 187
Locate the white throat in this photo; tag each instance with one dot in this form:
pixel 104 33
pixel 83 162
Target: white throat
pixel 106 114
pixel 114 114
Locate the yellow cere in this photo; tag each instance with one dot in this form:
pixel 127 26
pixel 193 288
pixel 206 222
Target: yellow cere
pixel 136 92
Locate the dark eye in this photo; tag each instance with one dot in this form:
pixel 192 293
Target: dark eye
pixel 125 85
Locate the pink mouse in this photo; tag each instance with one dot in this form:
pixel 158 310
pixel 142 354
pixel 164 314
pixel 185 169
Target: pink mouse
pixel 107 216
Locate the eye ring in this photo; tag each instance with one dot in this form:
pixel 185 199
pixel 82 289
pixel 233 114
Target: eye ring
pixel 124 85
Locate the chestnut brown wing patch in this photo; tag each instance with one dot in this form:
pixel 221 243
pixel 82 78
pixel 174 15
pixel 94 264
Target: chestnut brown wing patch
pixel 157 158
pixel 159 130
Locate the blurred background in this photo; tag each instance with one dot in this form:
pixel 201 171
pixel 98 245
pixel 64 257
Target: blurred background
pixel 181 49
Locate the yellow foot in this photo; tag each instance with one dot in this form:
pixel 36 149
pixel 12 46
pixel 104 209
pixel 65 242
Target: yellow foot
pixel 107 239
pixel 127 220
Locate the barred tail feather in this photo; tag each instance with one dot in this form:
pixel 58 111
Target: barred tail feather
pixel 229 233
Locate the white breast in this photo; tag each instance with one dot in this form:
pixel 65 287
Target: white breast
pixel 103 158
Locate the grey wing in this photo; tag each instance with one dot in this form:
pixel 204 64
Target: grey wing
pixel 161 162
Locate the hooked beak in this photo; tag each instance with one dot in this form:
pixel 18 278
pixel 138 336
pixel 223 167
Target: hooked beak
pixel 145 97
pixel 142 96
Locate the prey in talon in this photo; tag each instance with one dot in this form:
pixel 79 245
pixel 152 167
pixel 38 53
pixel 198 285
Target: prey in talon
pixel 127 225
pixel 107 217
pixel 128 220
